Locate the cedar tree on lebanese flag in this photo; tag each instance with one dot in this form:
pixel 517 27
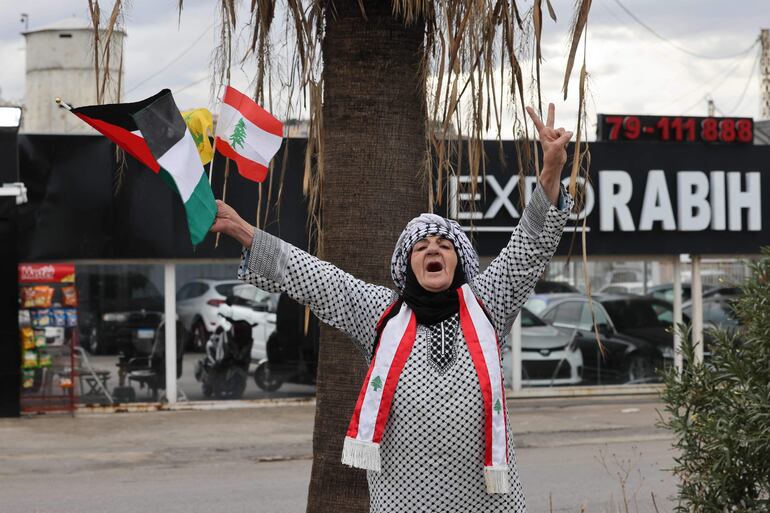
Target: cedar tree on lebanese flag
pixel 247 134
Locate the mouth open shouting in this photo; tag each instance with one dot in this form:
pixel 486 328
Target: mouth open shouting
pixel 433 262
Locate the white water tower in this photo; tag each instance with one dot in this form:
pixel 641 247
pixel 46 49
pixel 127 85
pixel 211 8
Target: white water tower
pixel 60 62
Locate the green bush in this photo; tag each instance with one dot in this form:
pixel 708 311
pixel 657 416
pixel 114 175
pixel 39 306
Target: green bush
pixel 719 412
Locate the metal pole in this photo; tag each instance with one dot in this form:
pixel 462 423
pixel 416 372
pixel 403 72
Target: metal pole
pixel 516 353
pixel 697 309
pixel 677 314
pixel 764 72
pixel 169 291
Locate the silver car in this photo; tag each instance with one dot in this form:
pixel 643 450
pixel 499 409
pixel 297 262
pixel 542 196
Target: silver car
pixel 549 355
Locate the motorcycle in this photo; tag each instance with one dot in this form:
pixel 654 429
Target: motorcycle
pixel 292 349
pixel 223 370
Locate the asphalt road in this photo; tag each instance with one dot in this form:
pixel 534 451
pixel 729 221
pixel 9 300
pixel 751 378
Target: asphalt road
pixel 574 454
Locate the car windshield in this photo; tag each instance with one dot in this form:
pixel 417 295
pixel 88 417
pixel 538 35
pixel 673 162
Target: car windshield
pixel 635 313
pixel 529 320
pixel 116 286
pixel 142 288
pixel 536 306
pixel 226 289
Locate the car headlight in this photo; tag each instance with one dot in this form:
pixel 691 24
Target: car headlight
pixel 668 353
pixel 115 317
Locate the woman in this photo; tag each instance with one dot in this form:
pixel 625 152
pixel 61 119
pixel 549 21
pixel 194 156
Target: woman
pixel 430 424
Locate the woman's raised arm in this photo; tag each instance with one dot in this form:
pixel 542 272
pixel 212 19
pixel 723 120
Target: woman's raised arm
pixel 335 297
pixel 509 280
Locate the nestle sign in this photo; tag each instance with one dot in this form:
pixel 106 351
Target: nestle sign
pixel 46 273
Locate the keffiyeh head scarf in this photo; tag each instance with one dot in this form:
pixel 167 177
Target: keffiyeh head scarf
pixel 424 226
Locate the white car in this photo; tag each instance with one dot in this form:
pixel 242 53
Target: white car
pixel 548 354
pixel 197 303
pixel 258 308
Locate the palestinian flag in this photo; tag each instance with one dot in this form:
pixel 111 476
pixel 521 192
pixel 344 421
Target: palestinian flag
pixel 154 132
pixel 247 134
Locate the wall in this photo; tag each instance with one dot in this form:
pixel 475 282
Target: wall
pixel 61 66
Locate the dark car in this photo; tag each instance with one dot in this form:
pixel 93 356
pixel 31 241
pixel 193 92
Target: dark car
pixel 665 291
pixel 118 312
pixel 549 287
pixel 718 312
pixel 634 330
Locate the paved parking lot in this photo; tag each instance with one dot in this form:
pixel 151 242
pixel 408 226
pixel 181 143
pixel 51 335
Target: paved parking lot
pixel 572 453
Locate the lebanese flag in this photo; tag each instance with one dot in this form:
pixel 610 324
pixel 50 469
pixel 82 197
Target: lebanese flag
pixel 247 134
pixel 154 132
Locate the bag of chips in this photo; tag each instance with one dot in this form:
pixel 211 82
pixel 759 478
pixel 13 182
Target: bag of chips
pixel 72 317
pixel 69 296
pixel 27 338
pixel 41 318
pixel 40 338
pixel 28 379
pixel 59 319
pixel 42 296
pixel 30 360
pixel 27 297
pixel 44 359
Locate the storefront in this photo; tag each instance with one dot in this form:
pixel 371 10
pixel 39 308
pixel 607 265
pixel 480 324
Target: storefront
pixel 647 203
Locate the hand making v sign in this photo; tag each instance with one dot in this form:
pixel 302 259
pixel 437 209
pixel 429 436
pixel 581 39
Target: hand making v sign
pixel 554 143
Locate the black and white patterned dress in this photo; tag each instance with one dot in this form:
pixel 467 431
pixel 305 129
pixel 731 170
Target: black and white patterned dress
pixel 432 450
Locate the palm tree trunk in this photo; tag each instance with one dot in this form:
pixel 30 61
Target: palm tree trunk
pixel 373 151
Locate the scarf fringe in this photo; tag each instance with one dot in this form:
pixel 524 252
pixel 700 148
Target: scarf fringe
pixel 361 454
pixel 496 479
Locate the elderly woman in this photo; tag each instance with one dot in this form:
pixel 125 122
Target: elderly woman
pixel 430 423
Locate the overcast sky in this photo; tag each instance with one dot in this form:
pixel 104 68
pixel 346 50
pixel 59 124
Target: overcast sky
pixel 632 70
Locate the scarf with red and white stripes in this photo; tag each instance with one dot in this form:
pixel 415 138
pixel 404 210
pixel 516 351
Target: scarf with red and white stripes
pixel 361 447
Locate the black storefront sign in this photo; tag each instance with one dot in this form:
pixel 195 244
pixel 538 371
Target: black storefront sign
pixel 642 199
pixel 83 204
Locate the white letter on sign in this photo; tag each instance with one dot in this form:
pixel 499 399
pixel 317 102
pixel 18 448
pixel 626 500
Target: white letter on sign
pixel 717 194
pixel 456 197
pixel 749 199
pixel 614 201
pixel 657 204
pixel 502 197
pixel 694 208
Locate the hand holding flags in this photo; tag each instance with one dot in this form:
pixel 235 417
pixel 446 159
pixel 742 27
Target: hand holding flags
pixel 153 132
pixel 247 134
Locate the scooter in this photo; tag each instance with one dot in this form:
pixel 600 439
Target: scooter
pixel 223 370
pixel 292 349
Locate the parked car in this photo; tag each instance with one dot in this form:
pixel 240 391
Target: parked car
pixel 548 355
pixel 624 287
pixel 549 286
pixel 665 291
pixel 634 330
pixel 196 304
pixel 717 312
pixel 117 312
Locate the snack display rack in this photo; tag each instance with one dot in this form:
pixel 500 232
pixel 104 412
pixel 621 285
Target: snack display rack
pixel 49 336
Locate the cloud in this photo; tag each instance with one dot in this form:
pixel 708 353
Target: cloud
pixel 631 70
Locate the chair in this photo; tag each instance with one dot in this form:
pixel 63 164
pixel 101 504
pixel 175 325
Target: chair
pixel 150 371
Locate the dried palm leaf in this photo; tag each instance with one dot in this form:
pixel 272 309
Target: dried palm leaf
pixel 578 24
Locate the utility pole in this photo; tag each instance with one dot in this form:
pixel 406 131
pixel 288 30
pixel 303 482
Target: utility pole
pixel 764 73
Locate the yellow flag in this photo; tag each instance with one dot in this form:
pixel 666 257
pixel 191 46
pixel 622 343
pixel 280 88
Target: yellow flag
pixel 201 126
